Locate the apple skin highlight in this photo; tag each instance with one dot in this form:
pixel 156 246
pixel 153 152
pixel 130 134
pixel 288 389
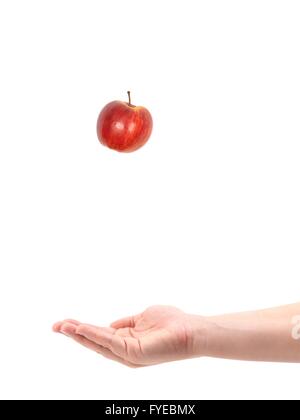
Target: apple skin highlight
pixel 124 127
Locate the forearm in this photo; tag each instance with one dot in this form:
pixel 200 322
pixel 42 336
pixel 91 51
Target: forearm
pixel 268 335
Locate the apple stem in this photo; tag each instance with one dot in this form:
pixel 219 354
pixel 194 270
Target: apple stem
pixel 129 97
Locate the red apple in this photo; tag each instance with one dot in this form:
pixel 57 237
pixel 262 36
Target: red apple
pixel 124 127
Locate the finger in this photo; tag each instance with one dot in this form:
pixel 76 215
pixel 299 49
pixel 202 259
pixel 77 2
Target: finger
pixel 56 327
pixel 129 321
pixel 121 347
pixel 100 350
pixel 68 329
pixel 100 335
pixel 85 342
pixel 110 355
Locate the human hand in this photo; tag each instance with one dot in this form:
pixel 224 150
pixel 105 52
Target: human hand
pixel 160 334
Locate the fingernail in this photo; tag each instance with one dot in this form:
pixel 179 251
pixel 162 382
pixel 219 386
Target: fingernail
pixel 56 327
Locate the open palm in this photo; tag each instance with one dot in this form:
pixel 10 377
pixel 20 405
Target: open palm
pixel 159 334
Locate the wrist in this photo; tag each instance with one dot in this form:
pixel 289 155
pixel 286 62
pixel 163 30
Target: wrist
pixel 201 333
pixel 208 336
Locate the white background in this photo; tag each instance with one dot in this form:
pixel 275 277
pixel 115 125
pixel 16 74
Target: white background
pixel 205 216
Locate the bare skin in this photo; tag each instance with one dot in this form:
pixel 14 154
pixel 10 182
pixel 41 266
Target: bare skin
pixel 164 334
